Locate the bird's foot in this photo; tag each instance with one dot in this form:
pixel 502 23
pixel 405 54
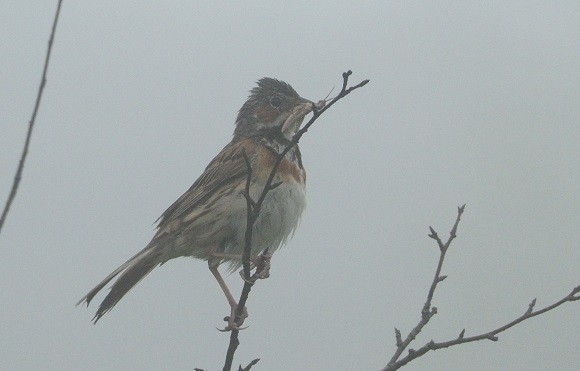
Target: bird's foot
pixel 234 321
pixel 262 265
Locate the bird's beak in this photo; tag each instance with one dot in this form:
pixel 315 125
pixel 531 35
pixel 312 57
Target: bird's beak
pixel 294 120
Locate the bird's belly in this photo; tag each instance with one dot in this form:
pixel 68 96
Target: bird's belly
pixel 279 216
pixel 222 228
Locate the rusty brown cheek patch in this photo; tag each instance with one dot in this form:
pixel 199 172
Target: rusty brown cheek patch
pixel 266 114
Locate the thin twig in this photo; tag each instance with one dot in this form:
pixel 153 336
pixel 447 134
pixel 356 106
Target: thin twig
pixel 427 313
pixel 251 208
pixel 249 366
pixel 254 207
pixel 443 250
pixel 18 175
pixel 491 335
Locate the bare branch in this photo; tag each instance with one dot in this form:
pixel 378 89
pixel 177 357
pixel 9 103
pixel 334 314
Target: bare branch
pixel 398 338
pixel 18 175
pixel 254 207
pixel 491 335
pixel 427 312
pixel 249 366
pixel 434 236
pixel 251 208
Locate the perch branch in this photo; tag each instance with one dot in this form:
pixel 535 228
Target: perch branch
pixel 254 207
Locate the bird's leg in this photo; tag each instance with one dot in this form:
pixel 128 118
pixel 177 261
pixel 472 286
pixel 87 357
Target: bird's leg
pixel 260 262
pixel 232 324
pixel 262 265
pixel 235 257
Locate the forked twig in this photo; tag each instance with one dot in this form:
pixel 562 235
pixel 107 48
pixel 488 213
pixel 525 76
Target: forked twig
pixel 428 312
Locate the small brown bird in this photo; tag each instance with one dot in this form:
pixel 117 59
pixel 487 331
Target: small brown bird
pixel 209 220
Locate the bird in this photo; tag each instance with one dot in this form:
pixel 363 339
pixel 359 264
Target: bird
pixel 209 220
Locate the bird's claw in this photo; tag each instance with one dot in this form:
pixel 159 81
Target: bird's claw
pixel 262 265
pixel 234 321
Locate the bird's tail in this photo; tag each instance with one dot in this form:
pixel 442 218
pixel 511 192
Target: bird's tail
pixel 133 271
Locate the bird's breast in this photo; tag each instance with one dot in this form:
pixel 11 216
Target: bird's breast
pixel 290 168
pixel 283 205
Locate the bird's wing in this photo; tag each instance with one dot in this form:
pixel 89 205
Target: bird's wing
pixel 227 167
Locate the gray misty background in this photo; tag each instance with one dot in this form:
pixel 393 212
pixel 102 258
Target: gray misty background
pixel 474 103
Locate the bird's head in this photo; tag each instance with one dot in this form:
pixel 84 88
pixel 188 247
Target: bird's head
pixel 273 109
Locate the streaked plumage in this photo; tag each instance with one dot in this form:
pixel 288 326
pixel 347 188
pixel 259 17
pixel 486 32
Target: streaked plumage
pixel 210 218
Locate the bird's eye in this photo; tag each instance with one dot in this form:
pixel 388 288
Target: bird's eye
pixel 275 102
